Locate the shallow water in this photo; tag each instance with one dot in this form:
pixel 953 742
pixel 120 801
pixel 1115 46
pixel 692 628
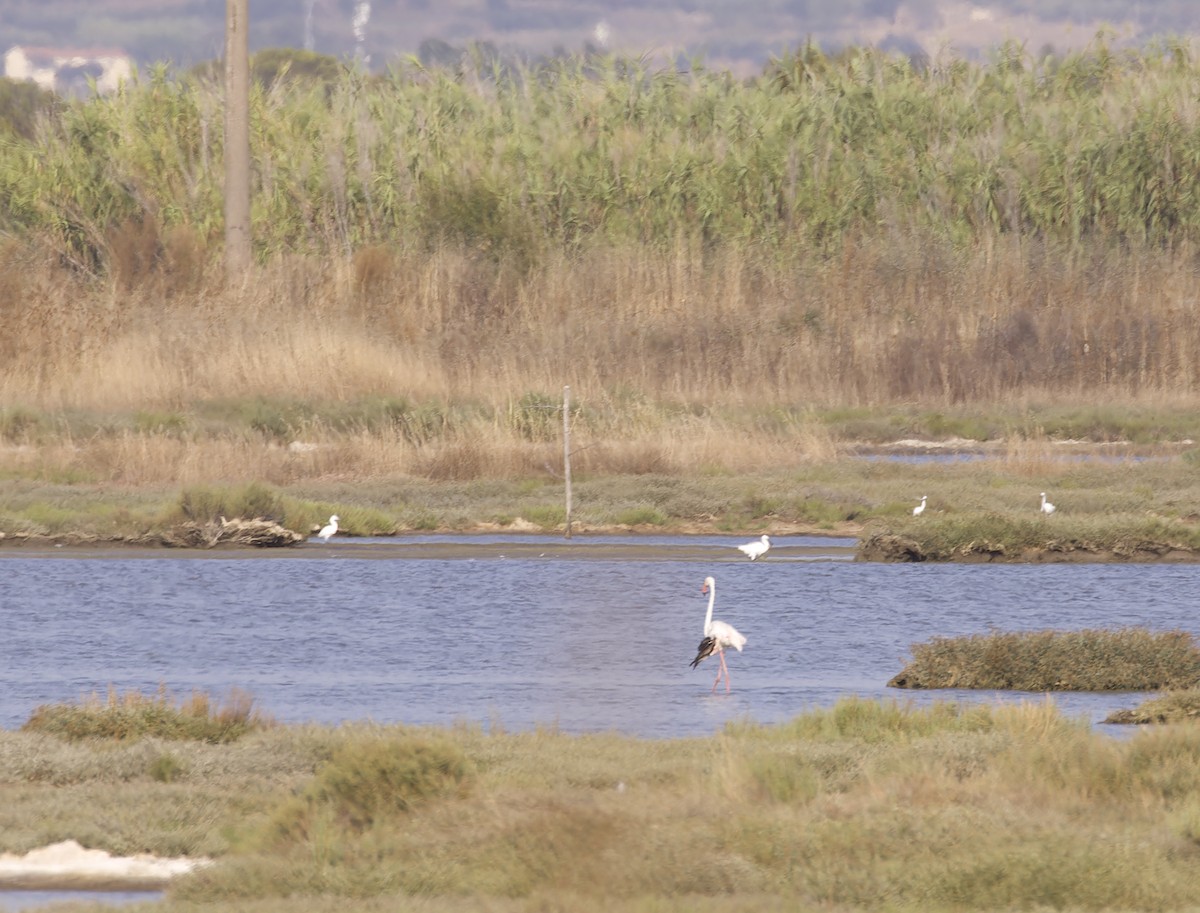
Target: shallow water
pixel 525 631
pixel 31 900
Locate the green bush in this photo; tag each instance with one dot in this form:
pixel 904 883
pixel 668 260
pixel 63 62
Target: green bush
pixel 201 504
pixel 371 779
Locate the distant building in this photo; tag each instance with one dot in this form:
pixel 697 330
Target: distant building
pixel 67 70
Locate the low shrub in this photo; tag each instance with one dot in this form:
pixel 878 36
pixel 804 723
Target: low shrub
pixel 370 779
pixel 1131 659
pixel 134 715
pixel 203 504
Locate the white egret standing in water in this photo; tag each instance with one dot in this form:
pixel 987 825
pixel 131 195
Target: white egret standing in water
pixel 329 529
pixel 756 549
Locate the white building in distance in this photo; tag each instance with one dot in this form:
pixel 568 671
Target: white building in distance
pixel 67 70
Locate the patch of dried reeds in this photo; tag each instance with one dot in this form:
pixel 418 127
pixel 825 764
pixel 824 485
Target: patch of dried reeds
pixel 723 328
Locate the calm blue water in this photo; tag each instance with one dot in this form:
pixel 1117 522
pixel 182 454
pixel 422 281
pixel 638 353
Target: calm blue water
pixel 588 643
pixel 33 900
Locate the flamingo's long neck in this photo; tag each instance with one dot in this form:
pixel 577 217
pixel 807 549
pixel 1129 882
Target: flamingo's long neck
pixel 712 597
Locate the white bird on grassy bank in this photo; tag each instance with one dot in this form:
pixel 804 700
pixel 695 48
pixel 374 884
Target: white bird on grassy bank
pixel 1047 507
pixel 717 636
pixel 330 529
pixel 920 508
pixel 757 548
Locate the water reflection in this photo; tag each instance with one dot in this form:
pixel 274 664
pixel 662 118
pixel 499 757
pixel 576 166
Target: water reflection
pixel 583 642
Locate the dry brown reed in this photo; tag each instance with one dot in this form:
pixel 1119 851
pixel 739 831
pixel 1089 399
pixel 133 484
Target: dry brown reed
pixel 685 360
pixel 1009 321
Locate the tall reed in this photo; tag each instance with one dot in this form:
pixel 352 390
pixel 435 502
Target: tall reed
pixel 1095 145
pixel 844 231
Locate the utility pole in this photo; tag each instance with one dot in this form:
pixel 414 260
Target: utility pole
pixel 567 451
pixel 237 140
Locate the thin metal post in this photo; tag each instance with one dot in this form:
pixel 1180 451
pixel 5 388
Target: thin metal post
pixel 567 451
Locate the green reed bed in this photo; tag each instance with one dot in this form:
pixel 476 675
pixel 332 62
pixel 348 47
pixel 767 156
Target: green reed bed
pixel 865 805
pixel 521 161
pixel 1131 659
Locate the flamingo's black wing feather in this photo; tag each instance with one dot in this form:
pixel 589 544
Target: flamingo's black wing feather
pixel 707 647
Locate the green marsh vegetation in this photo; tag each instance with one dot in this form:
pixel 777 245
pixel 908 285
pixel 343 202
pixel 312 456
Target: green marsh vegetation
pixel 982 510
pixel 1128 659
pixel 1132 659
pixel 741 280
pixel 864 805
pixel 134 715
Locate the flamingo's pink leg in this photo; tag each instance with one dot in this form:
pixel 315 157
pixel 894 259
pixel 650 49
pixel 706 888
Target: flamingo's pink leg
pixel 717 680
pixel 722 669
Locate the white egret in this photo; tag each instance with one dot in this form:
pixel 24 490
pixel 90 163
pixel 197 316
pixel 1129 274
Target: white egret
pixel 756 549
pixel 1047 507
pixel 329 529
pixel 920 508
pixel 717 636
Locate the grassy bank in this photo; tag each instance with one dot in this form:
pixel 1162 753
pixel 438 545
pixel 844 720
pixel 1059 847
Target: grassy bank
pixel 1122 509
pixel 862 806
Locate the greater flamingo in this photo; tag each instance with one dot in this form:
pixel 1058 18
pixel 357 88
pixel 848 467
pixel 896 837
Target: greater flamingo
pixel 717 636
pixel 756 549
pixel 920 508
pixel 1047 507
pixel 330 529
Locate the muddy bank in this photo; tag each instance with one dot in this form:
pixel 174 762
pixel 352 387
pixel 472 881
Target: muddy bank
pixel 399 549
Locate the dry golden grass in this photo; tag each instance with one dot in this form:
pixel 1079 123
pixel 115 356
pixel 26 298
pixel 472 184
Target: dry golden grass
pixel 1002 324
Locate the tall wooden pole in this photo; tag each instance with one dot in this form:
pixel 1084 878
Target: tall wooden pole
pixel 237 140
pixel 567 451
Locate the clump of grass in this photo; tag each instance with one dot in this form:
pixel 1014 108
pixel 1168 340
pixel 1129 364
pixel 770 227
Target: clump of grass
pixel 205 504
pixel 640 516
pixel 1173 707
pixel 158 422
pixel 370 778
pixel 166 768
pixel 1130 659
pixel 134 715
pixel 547 516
